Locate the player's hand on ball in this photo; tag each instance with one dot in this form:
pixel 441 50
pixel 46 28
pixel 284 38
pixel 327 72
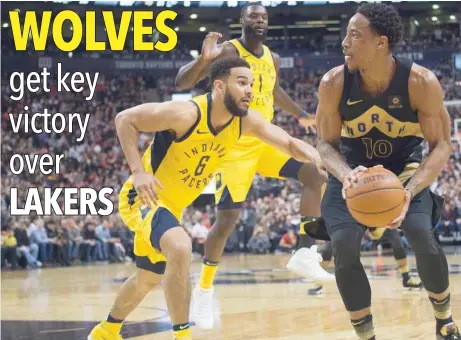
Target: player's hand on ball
pixel 398 221
pixel 210 47
pixel 352 177
pixel 146 185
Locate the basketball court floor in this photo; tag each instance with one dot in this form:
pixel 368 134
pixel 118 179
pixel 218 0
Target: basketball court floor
pixel 255 296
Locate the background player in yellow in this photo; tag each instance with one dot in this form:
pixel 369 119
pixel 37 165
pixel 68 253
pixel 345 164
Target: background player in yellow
pixel 234 179
pixel 191 139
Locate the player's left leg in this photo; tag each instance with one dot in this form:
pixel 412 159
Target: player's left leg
pixel 431 262
pixel 276 164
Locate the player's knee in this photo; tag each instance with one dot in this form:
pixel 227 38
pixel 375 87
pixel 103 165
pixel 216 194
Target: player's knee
pixel 346 243
pixel 417 228
pixel 226 222
pixel 180 251
pixel 311 175
pixel 176 245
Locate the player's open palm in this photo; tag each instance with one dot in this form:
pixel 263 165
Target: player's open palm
pixel 146 185
pixel 210 47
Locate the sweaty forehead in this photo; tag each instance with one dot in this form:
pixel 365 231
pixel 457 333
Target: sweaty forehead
pixel 358 22
pixel 256 9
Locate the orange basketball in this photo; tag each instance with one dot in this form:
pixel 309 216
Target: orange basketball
pixel 377 198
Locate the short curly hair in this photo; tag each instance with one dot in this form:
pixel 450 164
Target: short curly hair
pixel 222 67
pixel 384 20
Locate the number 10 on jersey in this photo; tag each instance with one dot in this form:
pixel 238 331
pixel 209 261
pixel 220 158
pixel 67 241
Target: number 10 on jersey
pixel 380 148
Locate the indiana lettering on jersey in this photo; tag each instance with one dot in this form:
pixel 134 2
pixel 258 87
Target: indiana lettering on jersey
pixel 206 148
pixel 376 117
pixel 198 177
pixel 262 68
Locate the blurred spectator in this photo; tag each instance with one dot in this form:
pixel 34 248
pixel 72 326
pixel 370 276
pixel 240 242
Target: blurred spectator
pixel 9 249
pixel 288 241
pixel 91 245
pixel 259 242
pixel 75 237
pixel 27 249
pixel 39 236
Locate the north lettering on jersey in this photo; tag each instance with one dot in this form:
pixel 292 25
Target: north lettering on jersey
pixel 376 117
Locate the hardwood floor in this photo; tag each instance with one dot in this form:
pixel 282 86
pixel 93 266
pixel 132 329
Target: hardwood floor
pixel 256 298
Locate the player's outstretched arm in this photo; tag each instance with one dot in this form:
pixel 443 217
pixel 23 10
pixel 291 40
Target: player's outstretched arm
pixel 254 124
pixel 427 98
pixel 282 99
pixel 328 121
pixel 196 70
pixel 151 117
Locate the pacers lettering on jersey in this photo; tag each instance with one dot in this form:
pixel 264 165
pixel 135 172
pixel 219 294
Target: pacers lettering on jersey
pixel 262 100
pixel 195 177
pixel 263 87
pixel 375 117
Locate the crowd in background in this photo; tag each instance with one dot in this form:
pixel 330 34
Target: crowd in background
pixel 269 221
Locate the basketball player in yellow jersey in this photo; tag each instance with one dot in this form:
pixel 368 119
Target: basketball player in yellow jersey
pixel 234 179
pixel 191 140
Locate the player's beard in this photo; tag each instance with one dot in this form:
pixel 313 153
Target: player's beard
pixel 232 106
pixel 250 32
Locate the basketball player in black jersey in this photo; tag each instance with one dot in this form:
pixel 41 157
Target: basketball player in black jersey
pixel 386 107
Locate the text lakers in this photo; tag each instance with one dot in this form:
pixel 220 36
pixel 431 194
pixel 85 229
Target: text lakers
pixel 138 23
pixel 198 176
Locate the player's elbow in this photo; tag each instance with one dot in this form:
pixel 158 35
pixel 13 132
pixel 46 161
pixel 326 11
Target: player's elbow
pixel 122 119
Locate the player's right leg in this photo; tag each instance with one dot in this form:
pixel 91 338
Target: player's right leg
pixel 409 282
pixel 158 238
pixel 232 184
pixel 226 220
pixel 326 251
pixel 306 261
pixel 346 237
pixel 131 293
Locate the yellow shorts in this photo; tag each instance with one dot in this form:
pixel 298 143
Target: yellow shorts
pixel 148 225
pixel 237 170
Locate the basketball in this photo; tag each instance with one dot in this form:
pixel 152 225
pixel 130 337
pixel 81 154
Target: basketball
pixel 377 198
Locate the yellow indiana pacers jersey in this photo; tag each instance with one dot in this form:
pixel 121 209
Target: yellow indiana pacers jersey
pixel 265 76
pixel 186 166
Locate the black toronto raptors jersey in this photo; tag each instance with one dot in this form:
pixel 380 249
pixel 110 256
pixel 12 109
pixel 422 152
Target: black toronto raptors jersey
pixel 383 129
